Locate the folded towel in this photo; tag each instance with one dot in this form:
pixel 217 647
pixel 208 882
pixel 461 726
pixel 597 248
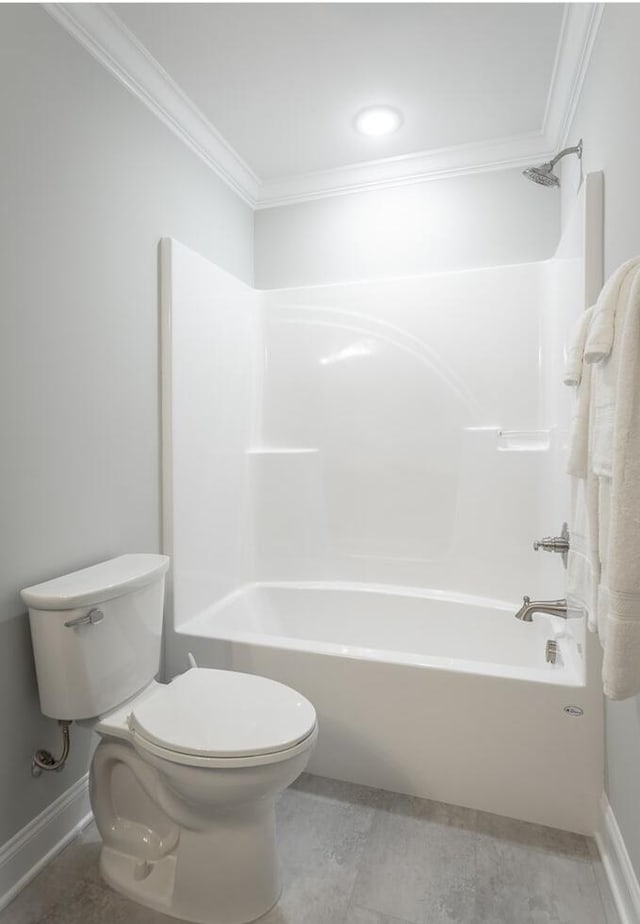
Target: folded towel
pixel 621 566
pixel 583 566
pixel 602 504
pixel 604 462
pixel 575 352
pixel 602 330
pixel 622 650
pixel 602 416
pixel 606 382
pixel 578 458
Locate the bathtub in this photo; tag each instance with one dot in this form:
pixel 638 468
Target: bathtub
pixel 439 695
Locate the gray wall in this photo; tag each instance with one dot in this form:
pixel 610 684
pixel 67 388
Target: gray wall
pixel 606 119
pixel 90 181
pixel 486 219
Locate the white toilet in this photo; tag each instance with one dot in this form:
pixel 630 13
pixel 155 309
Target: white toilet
pixel 184 779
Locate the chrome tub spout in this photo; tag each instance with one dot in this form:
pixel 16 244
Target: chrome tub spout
pixel 529 607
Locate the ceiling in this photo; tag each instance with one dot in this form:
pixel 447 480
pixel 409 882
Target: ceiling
pixel 266 93
pixel 282 82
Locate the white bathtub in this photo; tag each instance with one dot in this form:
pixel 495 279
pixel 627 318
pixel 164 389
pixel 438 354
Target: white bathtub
pixel 443 696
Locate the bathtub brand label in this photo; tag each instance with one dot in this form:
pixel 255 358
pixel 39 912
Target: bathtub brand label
pixel 573 710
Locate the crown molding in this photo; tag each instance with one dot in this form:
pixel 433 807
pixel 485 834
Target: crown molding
pixel 438 164
pixel 107 38
pixel 578 33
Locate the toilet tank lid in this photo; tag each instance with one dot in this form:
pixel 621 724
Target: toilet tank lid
pixel 96 584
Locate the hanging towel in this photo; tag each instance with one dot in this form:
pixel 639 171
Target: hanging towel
pixel 602 328
pixel 578 461
pixel 618 376
pixel 606 370
pixel 604 464
pixel 575 352
pixel 583 566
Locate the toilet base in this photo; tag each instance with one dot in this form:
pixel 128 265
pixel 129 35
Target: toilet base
pixel 225 875
pixel 194 842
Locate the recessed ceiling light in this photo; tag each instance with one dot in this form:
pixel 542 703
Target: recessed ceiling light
pixel 378 120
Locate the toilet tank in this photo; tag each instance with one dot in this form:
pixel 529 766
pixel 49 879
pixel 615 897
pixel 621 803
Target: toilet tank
pixel 97 634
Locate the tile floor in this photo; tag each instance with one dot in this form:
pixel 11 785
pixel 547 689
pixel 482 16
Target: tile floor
pixel 353 855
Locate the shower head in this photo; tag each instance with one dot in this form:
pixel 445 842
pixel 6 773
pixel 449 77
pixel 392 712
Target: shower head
pixel 543 175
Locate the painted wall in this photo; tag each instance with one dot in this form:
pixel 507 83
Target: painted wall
pixel 604 119
pixel 90 182
pixel 488 219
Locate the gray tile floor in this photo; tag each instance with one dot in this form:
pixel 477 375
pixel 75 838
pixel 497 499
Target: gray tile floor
pixel 353 855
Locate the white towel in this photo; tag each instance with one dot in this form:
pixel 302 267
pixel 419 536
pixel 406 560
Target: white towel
pixel 616 451
pixel 604 462
pixel 578 460
pixel 583 566
pixel 602 504
pixel 575 352
pixel 605 374
pixel 602 329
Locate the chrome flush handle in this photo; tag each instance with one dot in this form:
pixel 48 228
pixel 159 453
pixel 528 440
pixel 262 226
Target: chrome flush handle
pixel 89 619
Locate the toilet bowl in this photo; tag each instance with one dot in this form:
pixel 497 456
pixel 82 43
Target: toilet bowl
pixel 184 779
pixel 209 751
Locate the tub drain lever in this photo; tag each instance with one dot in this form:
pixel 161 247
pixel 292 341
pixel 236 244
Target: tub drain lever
pixel 551 651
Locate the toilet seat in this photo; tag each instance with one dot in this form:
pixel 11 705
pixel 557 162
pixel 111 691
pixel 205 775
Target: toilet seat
pixel 212 718
pixel 144 747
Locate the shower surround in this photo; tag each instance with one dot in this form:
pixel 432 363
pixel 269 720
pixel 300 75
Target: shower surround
pixel 353 478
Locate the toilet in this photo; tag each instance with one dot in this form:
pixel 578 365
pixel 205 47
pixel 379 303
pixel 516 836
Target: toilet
pixel 184 779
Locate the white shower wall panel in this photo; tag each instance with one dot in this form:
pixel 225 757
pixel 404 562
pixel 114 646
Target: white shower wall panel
pixel 387 432
pixel 210 337
pixel 382 408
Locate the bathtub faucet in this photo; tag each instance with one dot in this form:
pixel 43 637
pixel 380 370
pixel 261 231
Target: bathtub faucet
pixel 554 607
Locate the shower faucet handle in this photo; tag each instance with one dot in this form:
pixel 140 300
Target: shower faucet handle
pixel 559 543
pixel 551 544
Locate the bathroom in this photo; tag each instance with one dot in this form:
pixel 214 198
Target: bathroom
pixel 386 417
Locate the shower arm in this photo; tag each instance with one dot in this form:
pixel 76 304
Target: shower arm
pixel 576 149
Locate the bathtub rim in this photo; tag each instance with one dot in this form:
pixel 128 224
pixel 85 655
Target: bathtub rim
pixel 570 674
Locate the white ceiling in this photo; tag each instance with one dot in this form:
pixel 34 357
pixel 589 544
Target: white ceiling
pixel 265 93
pixel 281 82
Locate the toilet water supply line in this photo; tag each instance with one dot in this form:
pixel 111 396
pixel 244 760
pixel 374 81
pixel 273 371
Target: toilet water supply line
pixel 44 760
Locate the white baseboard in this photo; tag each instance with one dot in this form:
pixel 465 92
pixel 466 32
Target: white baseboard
pixel 617 865
pixel 30 849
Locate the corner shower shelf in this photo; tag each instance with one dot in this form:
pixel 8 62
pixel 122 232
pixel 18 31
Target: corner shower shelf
pixel 524 440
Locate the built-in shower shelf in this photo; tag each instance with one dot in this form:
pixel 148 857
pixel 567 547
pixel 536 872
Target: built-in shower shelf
pixel 524 440
pixel 280 450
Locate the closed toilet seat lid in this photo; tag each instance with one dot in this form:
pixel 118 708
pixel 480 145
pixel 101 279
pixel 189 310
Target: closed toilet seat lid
pixel 213 713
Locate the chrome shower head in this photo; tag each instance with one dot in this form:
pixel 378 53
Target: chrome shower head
pixel 543 175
